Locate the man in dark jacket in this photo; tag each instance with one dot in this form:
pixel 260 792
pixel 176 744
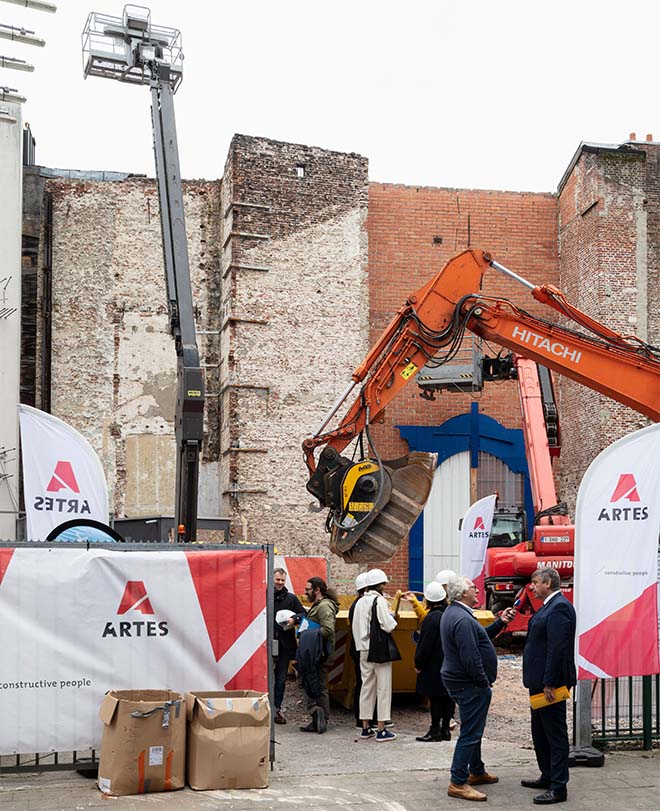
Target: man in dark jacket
pixel 548 663
pixel 323 611
pixel 286 641
pixel 468 671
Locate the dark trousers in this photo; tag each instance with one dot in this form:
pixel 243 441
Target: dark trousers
pixel 473 704
pixel 550 738
pixel 356 693
pixel 323 701
pixel 442 711
pixel 280 669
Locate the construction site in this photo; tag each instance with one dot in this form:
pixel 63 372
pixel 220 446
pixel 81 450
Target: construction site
pixel 295 362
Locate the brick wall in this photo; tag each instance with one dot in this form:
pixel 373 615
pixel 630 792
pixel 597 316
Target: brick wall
pixel 294 325
pixel 608 232
pixel 405 225
pixel 297 265
pixel 113 359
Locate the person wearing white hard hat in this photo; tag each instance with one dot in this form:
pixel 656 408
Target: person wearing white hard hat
pixel 444 577
pixel 428 661
pixel 376 676
pixel 361 584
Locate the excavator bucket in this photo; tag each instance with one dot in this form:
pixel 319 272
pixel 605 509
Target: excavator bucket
pixel 377 535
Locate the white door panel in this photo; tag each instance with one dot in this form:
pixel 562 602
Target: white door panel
pixel 447 504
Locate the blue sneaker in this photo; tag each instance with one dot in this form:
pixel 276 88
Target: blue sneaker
pixel 366 734
pixel 384 735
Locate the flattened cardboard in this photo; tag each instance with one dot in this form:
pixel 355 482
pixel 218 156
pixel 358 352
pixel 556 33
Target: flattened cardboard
pixel 228 739
pixel 142 753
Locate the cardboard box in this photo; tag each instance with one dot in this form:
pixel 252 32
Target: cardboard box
pixel 228 739
pixel 143 748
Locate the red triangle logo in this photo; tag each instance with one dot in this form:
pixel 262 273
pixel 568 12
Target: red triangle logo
pixel 479 523
pixel 626 488
pixel 135 598
pixel 62 478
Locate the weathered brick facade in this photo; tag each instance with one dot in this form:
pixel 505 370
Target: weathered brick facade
pixel 113 360
pixel 294 325
pixel 519 230
pixel 297 265
pixel 609 216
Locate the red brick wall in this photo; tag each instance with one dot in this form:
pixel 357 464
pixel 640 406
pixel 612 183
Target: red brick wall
pixel 518 229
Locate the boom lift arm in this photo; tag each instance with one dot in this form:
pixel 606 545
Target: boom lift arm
pixel 132 50
pixel 189 417
pixel 428 330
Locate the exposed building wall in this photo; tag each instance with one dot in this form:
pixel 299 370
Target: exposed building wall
pixel 405 224
pixel 609 216
pixel 113 360
pixel 298 263
pixel 294 325
pixel 11 195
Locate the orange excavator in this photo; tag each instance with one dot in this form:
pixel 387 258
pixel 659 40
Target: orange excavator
pixel 372 503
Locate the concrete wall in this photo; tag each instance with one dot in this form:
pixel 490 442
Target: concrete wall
pixel 11 190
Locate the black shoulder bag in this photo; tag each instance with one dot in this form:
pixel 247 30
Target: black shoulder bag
pixel 382 647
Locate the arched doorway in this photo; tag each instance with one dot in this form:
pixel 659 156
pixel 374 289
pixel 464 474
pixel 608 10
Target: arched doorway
pixel 476 456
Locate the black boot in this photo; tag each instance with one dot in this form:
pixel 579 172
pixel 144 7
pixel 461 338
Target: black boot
pixel 431 736
pixel 445 734
pixel 311 727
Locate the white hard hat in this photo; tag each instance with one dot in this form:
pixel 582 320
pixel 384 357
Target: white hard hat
pixel 445 576
pixel 361 581
pixel 434 592
pixel 283 616
pixel 375 577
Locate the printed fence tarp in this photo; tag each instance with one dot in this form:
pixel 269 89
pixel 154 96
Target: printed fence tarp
pixel 300 569
pixel 617 521
pixel 79 622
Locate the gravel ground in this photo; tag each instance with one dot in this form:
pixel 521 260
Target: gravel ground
pixel 508 718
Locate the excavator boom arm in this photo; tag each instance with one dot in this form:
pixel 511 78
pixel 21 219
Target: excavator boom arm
pixel 617 369
pixel 372 503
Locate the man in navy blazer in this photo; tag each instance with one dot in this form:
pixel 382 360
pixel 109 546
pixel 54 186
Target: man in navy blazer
pixel 549 663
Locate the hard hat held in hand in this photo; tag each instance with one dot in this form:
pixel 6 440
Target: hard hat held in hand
pixel 434 592
pixel 375 577
pixel 282 618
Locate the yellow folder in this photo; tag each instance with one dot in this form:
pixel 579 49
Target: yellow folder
pixel 539 700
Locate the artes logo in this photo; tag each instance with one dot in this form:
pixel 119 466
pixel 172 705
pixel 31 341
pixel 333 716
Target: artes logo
pixel 626 489
pixel 63 478
pixel 479 529
pixel 135 598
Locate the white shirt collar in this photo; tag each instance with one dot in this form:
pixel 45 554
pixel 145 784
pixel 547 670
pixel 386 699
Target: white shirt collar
pixel 550 596
pixel 466 607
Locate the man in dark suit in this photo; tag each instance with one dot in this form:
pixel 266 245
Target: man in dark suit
pixel 548 663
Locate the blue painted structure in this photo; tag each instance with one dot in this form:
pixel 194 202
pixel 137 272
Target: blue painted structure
pixel 471 432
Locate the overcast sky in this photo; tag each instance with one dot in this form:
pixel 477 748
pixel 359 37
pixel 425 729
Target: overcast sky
pixel 459 93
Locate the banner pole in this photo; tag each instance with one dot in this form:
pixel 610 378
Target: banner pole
pixel 271 643
pixel 582 719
